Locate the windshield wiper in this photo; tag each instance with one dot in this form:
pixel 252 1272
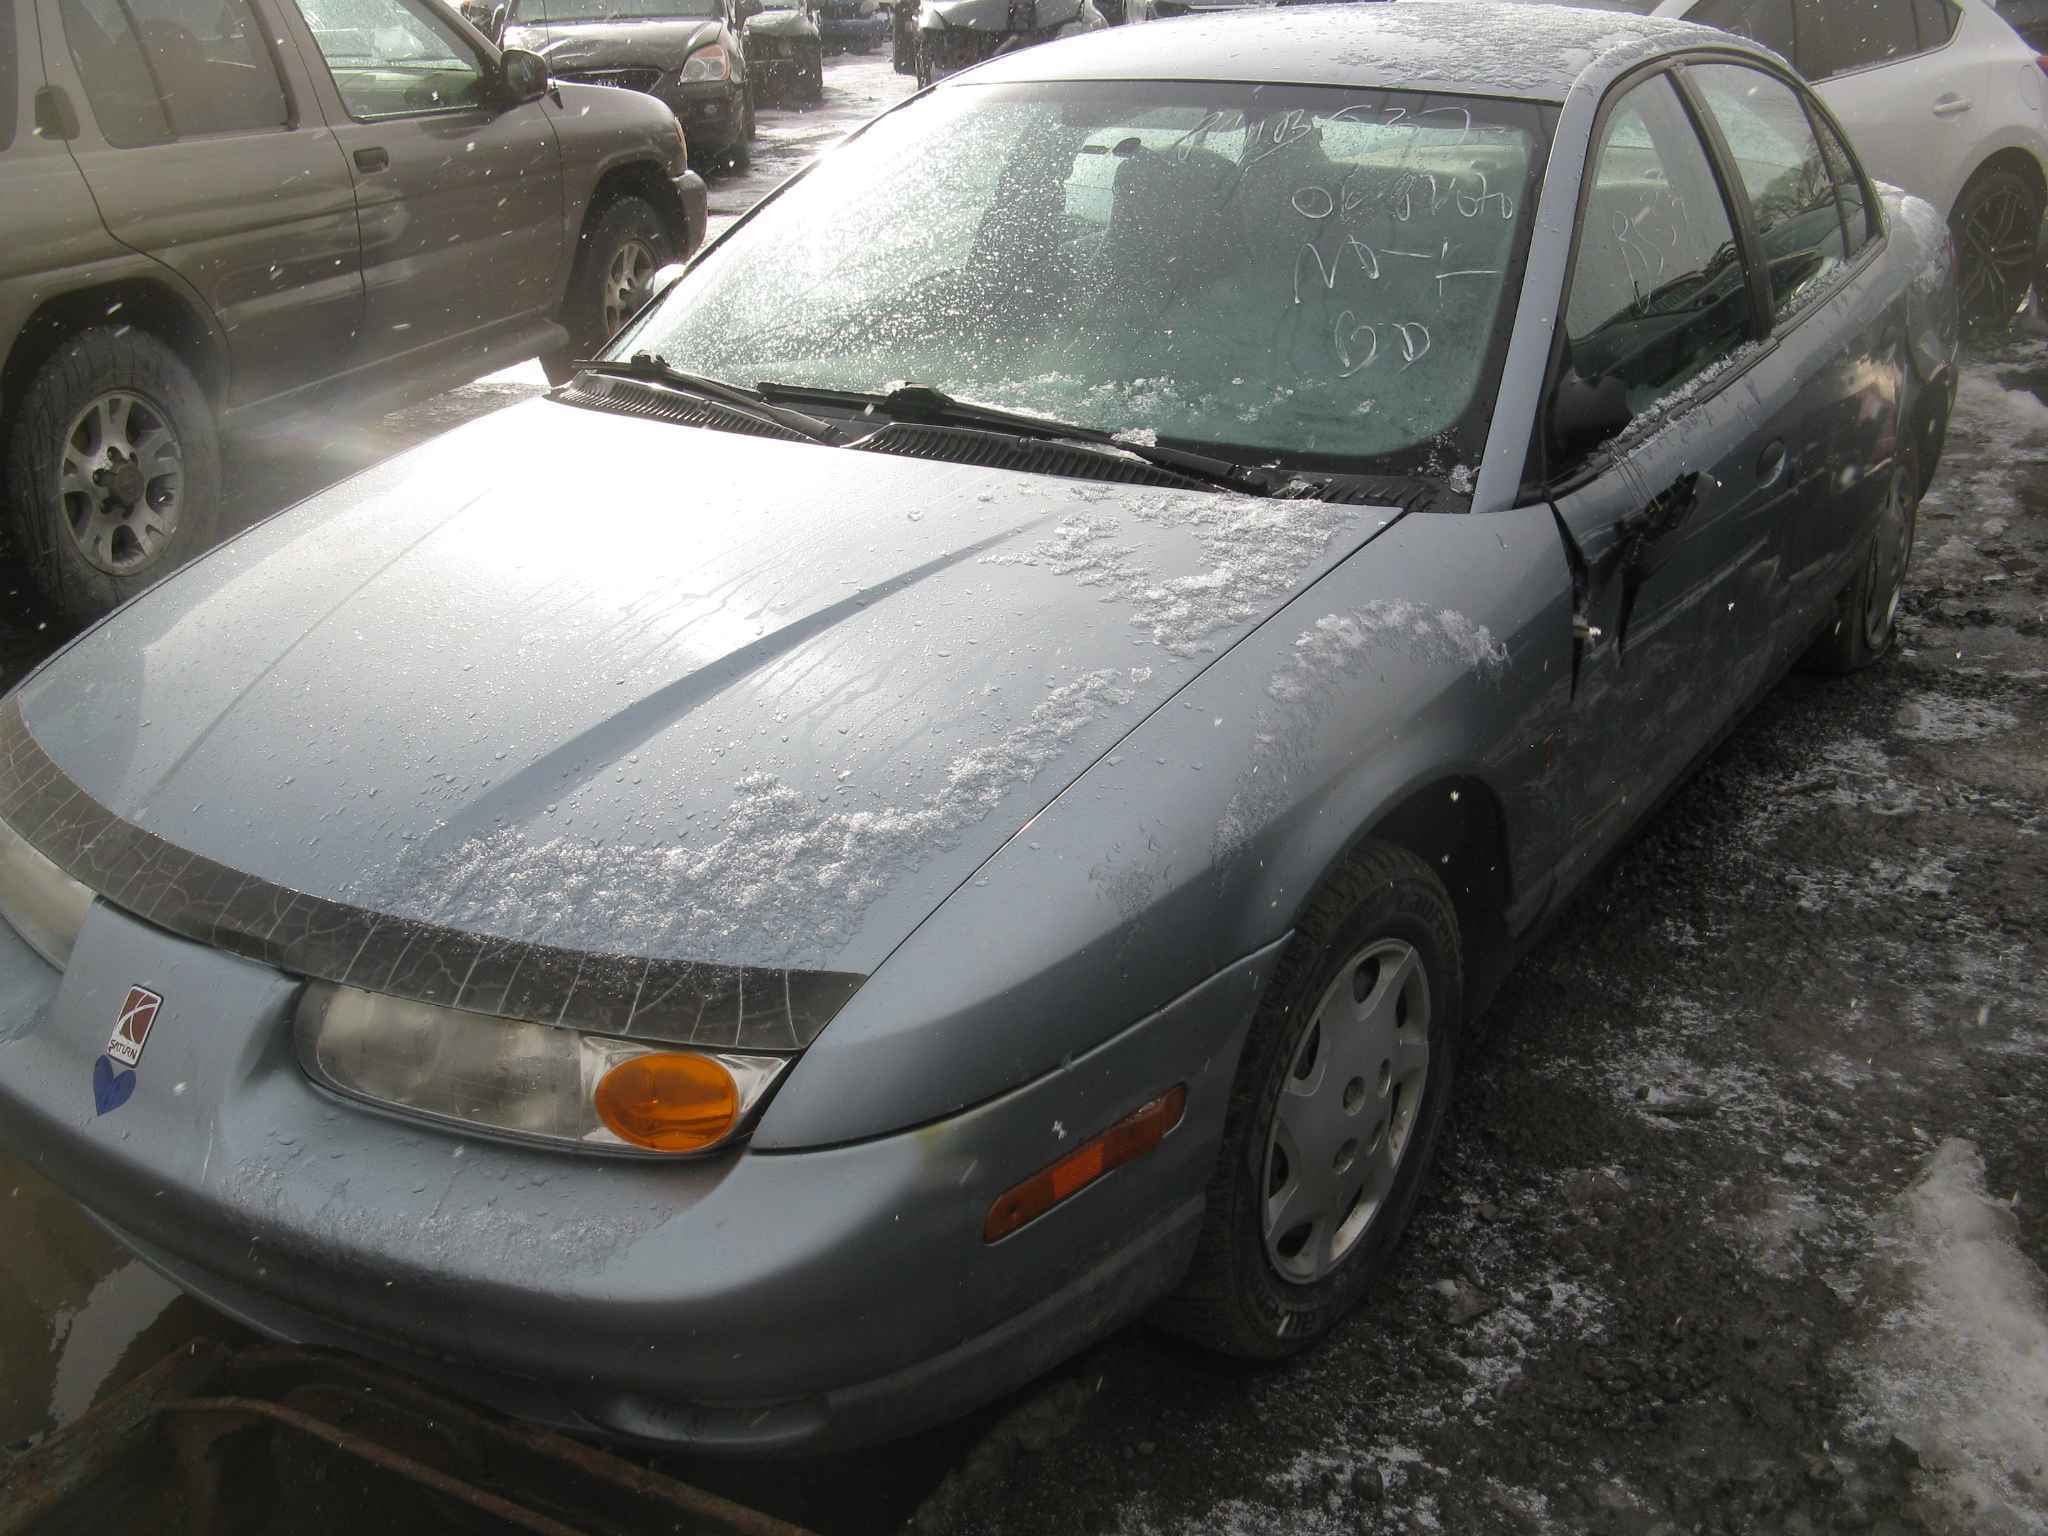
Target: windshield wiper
pixel 922 403
pixel 649 369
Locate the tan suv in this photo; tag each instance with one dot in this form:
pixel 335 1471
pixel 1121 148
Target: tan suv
pixel 220 208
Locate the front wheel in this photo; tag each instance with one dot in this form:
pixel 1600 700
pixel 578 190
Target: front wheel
pixel 1334 1116
pixel 1866 617
pixel 620 251
pixel 923 57
pixel 1996 222
pixel 113 469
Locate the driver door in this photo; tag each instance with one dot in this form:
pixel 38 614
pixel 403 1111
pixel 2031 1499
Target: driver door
pixel 459 200
pixel 1676 523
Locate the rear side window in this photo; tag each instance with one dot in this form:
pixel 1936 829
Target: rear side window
pixel 161 69
pixel 1765 21
pixel 1791 191
pixel 1658 290
pixel 1836 36
pixel 1859 220
pixel 1936 20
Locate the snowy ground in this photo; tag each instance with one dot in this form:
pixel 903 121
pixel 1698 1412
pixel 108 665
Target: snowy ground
pixel 1744 1203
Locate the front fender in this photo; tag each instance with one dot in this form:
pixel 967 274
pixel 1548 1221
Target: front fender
pixel 1441 648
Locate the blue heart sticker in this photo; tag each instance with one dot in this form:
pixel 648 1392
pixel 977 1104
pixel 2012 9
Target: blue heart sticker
pixel 110 1089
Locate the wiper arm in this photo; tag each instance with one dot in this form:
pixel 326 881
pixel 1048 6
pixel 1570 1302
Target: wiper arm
pixel 649 369
pixel 922 403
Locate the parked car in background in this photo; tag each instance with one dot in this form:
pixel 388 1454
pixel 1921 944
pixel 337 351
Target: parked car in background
pixel 218 209
pixel 1939 97
pixel 686 54
pixel 785 50
pixel 852 25
pixel 953 35
pixel 764 904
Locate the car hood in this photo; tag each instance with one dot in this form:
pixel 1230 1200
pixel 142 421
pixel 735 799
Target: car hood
pixel 620 687
pixel 605 44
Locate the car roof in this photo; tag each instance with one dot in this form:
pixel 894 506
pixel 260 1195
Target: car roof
pixel 1464 47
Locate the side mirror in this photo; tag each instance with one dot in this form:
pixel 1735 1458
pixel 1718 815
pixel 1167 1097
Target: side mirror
pixel 523 78
pixel 1584 413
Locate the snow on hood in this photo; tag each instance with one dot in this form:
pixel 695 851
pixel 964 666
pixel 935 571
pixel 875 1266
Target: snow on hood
pixel 621 687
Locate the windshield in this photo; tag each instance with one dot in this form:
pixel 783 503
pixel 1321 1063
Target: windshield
pixel 534 13
pixel 1301 276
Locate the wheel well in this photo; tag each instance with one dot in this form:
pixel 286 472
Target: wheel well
pixel 643 180
pixel 136 302
pixel 1456 827
pixel 2019 162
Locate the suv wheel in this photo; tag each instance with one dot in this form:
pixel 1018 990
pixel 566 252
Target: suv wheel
pixel 113 469
pixel 1996 220
pixel 621 250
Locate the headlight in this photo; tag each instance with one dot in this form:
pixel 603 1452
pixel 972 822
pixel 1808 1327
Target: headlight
pixel 38 900
pixel 706 64
pixel 536 1082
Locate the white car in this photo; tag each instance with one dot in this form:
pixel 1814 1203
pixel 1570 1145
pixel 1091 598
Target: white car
pixel 1940 97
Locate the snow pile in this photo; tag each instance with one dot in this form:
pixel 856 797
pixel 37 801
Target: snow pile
pixel 1254 552
pixel 1937 717
pixel 2018 411
pixel 793 877
pixel 1959 1370
pixel 1334 643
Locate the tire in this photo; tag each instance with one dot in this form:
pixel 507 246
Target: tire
pixel 814 79
pixel 1866 617
pixel 1383 921
pixel 923 64
pixel 1996 222
pixel 113 470
pixel 622 244
pixel 753 128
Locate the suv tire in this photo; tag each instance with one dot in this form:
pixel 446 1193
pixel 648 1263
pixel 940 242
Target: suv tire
pixel 1334 1115
pixel 621 249
pixel 113 469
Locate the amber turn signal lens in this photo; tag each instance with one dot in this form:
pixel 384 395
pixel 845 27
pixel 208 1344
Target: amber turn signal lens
pixel 669 1101
pixel 1131 1137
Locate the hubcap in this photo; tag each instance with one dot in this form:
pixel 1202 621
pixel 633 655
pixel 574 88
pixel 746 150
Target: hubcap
pixel 1889 553
pixel 1995 252
pixel 627 283
pixel 121 482
pixel 1347 1112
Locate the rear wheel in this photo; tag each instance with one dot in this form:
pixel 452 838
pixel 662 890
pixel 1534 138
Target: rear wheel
pixel 621 249
pixel 1867 612
pixel 814 78
pixel 1334 1116
pixel 1996 222
pixel 113 469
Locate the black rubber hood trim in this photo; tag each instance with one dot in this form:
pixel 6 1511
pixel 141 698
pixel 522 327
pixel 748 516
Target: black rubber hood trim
pixel 677 1001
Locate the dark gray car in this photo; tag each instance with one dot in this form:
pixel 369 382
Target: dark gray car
pixel 762 903
pixel 219 210
pixel 684 53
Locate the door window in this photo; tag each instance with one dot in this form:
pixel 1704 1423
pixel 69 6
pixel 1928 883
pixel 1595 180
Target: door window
pixel 390 60
pixel 1765 21
pixel 155 70
pixel 1840 35
pixel 1658 292
pixel 1936 20
pixel 1790 188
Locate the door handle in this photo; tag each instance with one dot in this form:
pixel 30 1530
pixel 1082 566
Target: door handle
pixel 1951 105
pixel 375 158
pixel 1770 464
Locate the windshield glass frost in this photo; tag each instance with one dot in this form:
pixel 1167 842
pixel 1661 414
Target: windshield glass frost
pixel 1319 277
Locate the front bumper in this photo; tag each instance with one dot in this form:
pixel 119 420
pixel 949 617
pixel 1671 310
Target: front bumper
pixel 694 200
pixel 712 112
pixel 751 1302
